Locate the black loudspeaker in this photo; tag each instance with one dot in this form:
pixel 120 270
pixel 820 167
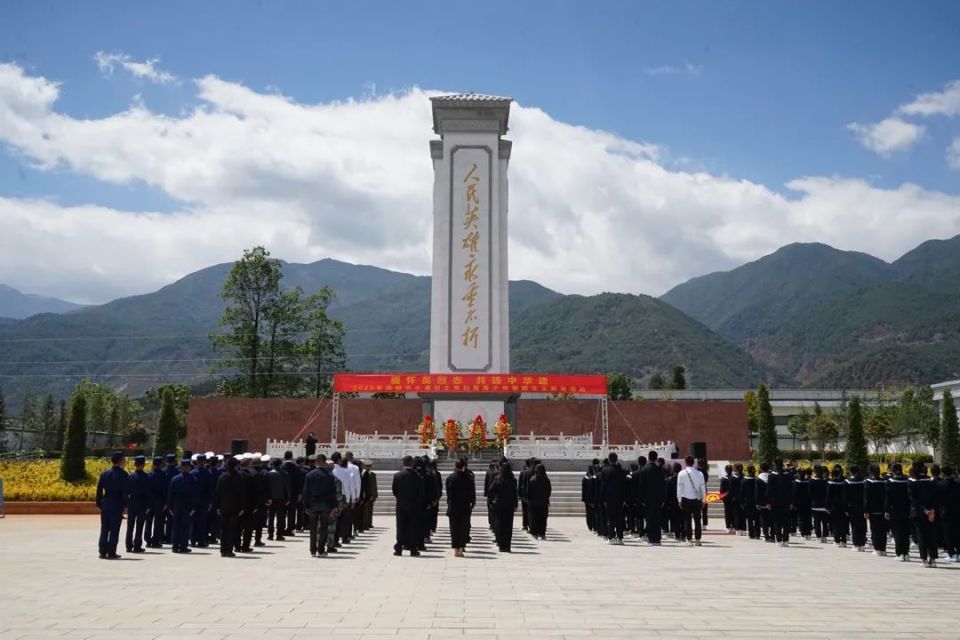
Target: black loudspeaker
pixel 698 450
pixel 237 447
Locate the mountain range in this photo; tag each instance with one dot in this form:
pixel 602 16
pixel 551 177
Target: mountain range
pixel 805 315
pixel 15 305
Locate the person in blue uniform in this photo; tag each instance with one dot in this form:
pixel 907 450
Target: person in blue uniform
pixel 170 471
pixel 111 500
pixel 156 512
pixel 138 503
pixel 181 504
pixel 203 485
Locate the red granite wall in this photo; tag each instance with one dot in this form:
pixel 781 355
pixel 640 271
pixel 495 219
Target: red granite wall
pixel 214 422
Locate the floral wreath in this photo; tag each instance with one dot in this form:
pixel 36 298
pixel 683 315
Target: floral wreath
pixel 427 431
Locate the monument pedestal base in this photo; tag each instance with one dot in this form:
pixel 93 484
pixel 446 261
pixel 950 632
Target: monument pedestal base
pixel 467 407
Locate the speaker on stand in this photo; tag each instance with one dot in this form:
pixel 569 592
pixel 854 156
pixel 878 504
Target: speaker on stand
pixel 237 447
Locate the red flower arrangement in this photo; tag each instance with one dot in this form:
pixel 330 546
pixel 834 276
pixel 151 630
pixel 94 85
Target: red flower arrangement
pixel 428 431
pixel 478 434
pixel 451 434
pixel 502 430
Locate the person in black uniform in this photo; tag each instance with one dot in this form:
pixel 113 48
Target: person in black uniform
pixel 587 495
pixel 874 492
pixel 488 479
pixel 371 493
pixel 261 469
pixel 214 464
pixel 763 502
pixel 653 492
pixel 748 497
pixel 311 445
pixel 801 497
pixel 630 503
pixel 229 502
pixel 922 492
pixel 640 515
pixel 522 479
pixel 836 506
pixel 279 487
pixel 408 492
pixel 111 500
pixel 950 512
pixel 896 507
pixel 818 503
pixel 170 472
pixel 156 513
pixel 853 500
pixel 726 496
pixel 138 504
pixel 319 499
pixel 294 489
pixel 461 496
pixel 539 490
pixel 203 484
pixel 505 500
pixel 739 517
pixel 432 476
pixel 613 486
pixel 704 468
pixel 675 519
pixel 182 503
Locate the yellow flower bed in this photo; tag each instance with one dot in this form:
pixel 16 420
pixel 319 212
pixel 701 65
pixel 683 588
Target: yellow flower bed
pixel 39 481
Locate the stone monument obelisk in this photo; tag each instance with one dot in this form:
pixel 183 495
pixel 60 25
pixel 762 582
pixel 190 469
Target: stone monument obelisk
pixel 469 314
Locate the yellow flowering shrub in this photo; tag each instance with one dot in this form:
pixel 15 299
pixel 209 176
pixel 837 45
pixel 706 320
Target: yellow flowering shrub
pixel 39 481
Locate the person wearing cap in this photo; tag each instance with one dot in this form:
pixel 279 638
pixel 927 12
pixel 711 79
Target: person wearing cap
pixel 278 486
pixel 182 504
pixel 261 468
pixel 229 502
pixel 138 504
pixel 213 519
pixel 319 499
pixel 252 499
pixel 170 471
pixel 203 483
pixel 111 500
pixel 156 512
pixel 294 489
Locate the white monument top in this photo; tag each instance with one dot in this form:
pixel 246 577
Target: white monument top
pixel 466 111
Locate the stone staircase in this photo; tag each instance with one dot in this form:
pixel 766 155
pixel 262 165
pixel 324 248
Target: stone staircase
pixel 565 500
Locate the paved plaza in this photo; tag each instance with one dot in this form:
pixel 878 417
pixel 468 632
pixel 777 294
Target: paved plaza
pixel 569 586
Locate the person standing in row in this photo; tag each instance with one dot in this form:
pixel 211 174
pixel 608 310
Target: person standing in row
pixel 950 512
pixel 896 507
pixel 170 472
pixel 853 500
pixel 279 487
pixel 505 499
pixel 874 492
pixel 818 504
pixel 157 513
pixel 199 533
pixel 251 496
pixel 801 496
pixel 780 502
pixel 461 497
pixel 588 488
pixel 215 465
pixel 836 507
pixel 748 497
pixel 230 502
pixel 539 490
pixel 370 492
pixel 653 490
pixel 294 489
pixel 181 502
pixel 691 492
pixel 613 487
pixel 319 499
pixel 726 496
pixel 488 479
pixel 922 492
pixel 111 500
pixel 408 493
pixel 138 505
pixel 522 480
pixel 736 491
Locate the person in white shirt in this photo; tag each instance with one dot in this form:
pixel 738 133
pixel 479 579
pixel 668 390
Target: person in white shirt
pixel 691 492
pixel 356 488
pixel 341 471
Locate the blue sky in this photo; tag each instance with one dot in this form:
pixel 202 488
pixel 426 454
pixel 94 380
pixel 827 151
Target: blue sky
pixel 761 92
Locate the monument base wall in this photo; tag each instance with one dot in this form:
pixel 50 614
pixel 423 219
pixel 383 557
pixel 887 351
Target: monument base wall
pixel 213 422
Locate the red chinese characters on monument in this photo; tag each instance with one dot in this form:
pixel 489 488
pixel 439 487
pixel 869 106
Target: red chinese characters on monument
pixel 469 383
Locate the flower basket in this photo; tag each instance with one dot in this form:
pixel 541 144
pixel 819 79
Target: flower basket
pixel 451 436
pixel 502 431
pixel 478 434
pixel 427 431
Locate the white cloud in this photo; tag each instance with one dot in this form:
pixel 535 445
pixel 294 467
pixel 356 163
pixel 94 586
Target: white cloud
pixel 146 70
pixel 936 103
pixel 686 68
pixel 590 211
pixel 888 135
pixel 953 154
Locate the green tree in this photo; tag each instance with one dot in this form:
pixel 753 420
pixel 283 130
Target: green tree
pixel 48 417
pixel 657 381
pixel 949 433
pixel 856 448
pixel 61 427
pixel 285 319
pixel 753 415
pixel 767 446
pixel 98 418
pixel 323 349
pixel 113 427
pixel 29 416
pixel 927 416
pixel 3 423
pixel 879 428
pixel 167 426
pixel 797 426
pixel 250 290
pixel 72 462
pixel 822 429
pixel 618 387
pixel 181 404
pixel 679 380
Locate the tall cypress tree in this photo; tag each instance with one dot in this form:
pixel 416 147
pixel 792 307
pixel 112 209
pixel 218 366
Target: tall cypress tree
pixel 72 463
pixel 166 441
pixel 61 426
pixel 949 433
pixel 767 446
pixel 856 449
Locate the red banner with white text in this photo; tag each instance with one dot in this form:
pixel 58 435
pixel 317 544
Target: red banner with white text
pixel 469 383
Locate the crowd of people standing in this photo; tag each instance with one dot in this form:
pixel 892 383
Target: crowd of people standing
pixel 229 500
